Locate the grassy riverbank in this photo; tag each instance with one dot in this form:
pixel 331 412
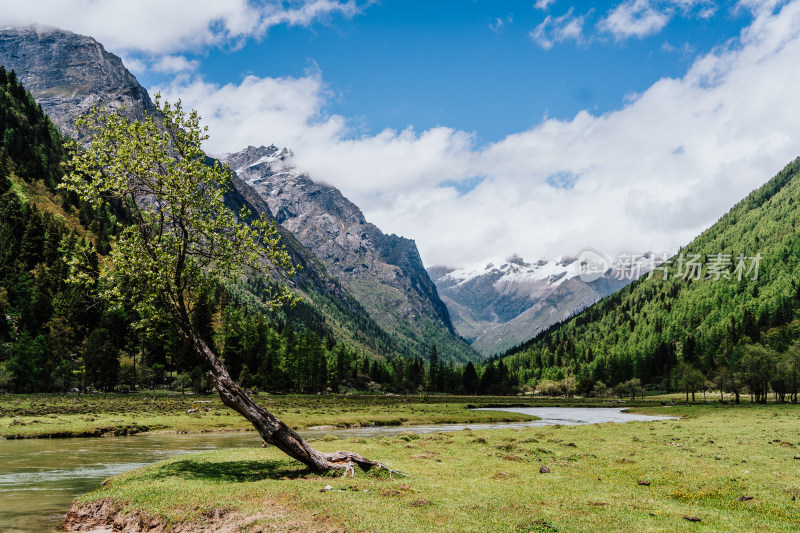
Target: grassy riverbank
pixel 638 476
pixel 32 416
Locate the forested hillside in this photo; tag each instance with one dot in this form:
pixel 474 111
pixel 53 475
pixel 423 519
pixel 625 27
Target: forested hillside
pixel 737 283
pixel 41 318
pixel 69 73
pixel 55 336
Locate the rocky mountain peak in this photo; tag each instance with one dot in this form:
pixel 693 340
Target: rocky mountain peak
pixel 375 284
pixel 384 272
pixel 297 202
pixel 69 73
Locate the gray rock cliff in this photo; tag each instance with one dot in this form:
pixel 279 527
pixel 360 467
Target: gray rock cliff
pixel 383 272
pixel 68 74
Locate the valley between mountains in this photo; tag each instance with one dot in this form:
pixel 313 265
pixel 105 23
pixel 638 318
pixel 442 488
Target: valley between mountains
pixel 704 340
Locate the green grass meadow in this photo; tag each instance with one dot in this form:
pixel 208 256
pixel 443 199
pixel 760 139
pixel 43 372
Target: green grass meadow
pixel 728 468
pixel 73 415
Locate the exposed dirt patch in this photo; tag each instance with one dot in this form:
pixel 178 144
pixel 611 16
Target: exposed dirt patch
pixel 425 455
pixel 102 516
pixel 503 475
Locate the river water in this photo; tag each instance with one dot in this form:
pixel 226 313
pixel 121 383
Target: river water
pixel 39 478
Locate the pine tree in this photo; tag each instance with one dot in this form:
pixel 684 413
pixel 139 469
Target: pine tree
pixel 433 370
pixel 470 380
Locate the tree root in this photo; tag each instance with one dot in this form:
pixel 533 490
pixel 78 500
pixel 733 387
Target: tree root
pixel 347 461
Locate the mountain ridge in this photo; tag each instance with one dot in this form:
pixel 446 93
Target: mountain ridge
pixel 70 73
pixel 745 289
pixel 88 75
pixel 503 303
pixel 384 272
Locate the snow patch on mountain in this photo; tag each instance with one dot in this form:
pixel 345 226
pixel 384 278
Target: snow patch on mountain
pixel 550 271
pixel 503 302
pixel 515 270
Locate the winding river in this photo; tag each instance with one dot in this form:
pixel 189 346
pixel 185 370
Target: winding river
pixel 39 478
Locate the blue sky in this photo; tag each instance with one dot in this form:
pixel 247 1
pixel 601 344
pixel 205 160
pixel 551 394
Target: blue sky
pixel 470 65
pixel 484 129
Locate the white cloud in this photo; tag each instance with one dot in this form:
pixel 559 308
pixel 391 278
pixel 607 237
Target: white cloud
pixel 175 64
pixel 156 27
pixel 630 18
pixel 758 6
pixel 649 176
pixel 554 30
pixel 543 4
pixel 134 64
pixel 288 112
pixel 634 18
pixel 707 12
pixel 686 50
pixel 498 25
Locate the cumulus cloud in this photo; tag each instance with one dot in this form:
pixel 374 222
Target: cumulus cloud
pixel 642 18
pixel 289 112
pixel 634 18
pixel 554 30
pixel 157 27
pixel 649 176
pixel 175 64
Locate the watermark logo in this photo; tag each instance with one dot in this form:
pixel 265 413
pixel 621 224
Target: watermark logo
pixel 592 265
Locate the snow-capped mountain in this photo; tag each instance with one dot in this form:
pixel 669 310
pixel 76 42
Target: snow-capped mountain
pixel 503 303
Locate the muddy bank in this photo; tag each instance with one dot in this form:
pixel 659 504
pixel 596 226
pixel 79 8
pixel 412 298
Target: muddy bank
pixel 102 516
pixel 106 431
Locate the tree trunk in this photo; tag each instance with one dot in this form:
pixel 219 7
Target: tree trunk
pixel 272 430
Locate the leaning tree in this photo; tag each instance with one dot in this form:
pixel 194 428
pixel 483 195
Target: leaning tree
pixel 181 241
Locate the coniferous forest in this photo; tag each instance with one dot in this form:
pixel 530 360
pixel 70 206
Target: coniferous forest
pixel 730 322
pixel 58 337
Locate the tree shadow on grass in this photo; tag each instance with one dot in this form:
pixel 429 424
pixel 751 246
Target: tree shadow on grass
pixel 233 471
